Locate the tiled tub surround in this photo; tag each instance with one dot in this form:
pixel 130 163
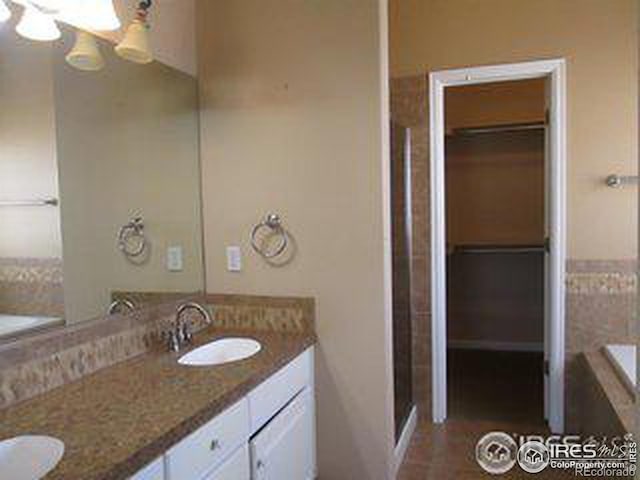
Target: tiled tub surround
pixel 36 364
pixel 601 310
pixel 31 287
pixel 120 419
pixel 600 295
pixel 609 408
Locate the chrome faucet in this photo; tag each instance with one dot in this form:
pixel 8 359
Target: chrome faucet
pixel 118 303
pixel 182 334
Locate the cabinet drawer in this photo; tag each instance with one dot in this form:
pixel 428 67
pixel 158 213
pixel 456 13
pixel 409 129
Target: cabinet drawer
pixel 235 468
pixel 153 471
pixel 205 448
pixel 269 397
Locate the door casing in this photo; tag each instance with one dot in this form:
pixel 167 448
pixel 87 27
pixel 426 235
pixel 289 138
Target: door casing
pixel 555 71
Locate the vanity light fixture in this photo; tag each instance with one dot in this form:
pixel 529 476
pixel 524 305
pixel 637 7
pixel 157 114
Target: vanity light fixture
pixel 85 54
pixel 5 13
pixel 93 15
pixel 135 44
pixel 37 25
pixel 38 22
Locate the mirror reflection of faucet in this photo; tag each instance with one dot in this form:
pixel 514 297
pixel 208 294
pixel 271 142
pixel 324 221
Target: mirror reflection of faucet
pixel 121 305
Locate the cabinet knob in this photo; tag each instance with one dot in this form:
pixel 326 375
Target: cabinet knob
pixel 215 444
pixel 259 464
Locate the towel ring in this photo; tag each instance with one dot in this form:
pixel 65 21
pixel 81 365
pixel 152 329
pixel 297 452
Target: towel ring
pixel 132 241
pixel 273 224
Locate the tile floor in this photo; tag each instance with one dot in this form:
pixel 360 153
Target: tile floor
pixel 488 391
pixel 447 452
pixel 500 386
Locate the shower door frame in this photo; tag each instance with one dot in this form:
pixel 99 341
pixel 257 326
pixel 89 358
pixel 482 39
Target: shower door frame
pixel 555 71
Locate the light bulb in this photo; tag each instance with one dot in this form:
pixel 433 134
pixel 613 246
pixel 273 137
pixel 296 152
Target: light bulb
pixel 36 25
pixel 52 7
pixel 5 13
pixel 96 15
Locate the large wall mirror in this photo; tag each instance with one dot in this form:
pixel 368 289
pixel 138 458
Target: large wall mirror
pixel 99 186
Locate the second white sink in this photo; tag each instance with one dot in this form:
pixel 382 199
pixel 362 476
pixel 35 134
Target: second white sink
pixel 29 457
pixel 221 351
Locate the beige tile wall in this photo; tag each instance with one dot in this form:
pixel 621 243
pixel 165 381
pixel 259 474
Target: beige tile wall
pixel 409 109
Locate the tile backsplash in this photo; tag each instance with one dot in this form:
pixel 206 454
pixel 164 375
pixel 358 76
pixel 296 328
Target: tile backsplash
pixel 36 364
pixel 31 286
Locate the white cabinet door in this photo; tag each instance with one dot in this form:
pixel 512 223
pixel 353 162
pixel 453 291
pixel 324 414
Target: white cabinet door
pixel 275 392
pixel 283 450
pixel 235 468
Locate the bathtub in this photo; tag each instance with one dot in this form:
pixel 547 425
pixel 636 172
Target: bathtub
pixel 623 359
pixel 12 324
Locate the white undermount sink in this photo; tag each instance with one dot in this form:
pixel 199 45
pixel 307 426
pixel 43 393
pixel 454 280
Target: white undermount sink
pixel 29 457
pixel 221 351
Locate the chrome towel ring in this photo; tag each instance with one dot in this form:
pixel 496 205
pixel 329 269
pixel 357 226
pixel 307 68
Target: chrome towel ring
pixel 132 240
pixel 272 225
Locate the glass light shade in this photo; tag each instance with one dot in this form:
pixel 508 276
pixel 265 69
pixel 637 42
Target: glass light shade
pixel 85 54
pixel 47 6
pixel 35 25
pixel 135 44
pixel 5 13
pixel 96 15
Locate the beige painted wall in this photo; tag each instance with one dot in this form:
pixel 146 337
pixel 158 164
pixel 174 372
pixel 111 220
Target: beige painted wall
pixel 27 149
pixel 291 122
pixel 127 143
pixel 599 40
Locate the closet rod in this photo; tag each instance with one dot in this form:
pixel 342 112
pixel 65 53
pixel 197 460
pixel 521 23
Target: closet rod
pixel 507 127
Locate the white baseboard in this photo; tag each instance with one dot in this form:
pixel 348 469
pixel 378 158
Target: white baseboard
pixel 496 346
pixel 404 441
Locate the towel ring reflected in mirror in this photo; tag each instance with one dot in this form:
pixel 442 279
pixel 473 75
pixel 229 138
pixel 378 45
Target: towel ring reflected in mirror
pixel 132 240
pixel 264 231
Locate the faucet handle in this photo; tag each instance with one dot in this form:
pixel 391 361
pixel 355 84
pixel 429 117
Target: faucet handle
pixel 173 341
pixel 186 335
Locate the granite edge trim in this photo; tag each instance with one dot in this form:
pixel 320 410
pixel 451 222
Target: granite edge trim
pixel 618 396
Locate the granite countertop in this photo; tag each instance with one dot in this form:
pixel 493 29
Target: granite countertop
pixel 117 420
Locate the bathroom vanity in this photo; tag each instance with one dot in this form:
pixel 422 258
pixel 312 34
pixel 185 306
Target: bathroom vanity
pixel 152 417
pixel 269 435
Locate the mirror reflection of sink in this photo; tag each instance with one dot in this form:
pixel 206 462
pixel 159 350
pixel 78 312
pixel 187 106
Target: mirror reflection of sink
pixel 221 351
pixel 29 457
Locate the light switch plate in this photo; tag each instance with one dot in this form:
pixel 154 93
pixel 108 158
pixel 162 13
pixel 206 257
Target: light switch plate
pixel 234 259
pixel 174 258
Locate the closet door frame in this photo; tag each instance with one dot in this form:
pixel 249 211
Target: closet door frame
pixel 555 71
